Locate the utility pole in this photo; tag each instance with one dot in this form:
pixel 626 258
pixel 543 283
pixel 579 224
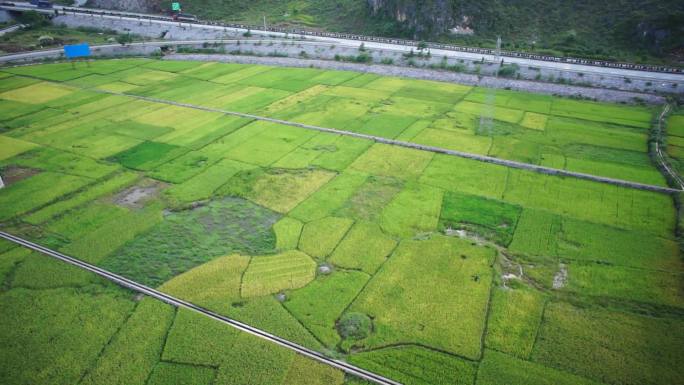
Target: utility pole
pixel 264 22
pixel 2 184
pixel 487 116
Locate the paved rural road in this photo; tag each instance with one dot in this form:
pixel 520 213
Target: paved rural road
pixel 132 285
pixel 618 72
pixel 439 150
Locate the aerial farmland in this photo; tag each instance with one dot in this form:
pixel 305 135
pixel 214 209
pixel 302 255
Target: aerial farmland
pixel 373 220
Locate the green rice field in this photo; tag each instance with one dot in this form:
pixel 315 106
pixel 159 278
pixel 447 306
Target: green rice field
pixel 426 268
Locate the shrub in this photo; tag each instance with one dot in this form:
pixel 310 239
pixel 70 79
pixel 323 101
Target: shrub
pixel 508 70
pixel 356 326
pixel 124 39
pixel 46 40
pixel 363 58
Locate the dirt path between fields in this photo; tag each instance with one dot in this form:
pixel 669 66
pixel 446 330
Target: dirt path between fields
pixel 665 168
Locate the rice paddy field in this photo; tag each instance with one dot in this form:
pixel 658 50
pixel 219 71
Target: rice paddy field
pixel 422 267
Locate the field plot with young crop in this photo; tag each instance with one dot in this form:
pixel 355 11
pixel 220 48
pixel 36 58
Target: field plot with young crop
pixel 426 268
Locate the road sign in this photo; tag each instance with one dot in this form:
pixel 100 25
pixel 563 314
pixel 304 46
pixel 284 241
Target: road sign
pixel 76 50
pixel 175 6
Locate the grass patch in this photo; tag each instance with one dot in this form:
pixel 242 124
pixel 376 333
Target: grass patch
pixel 320 237
pixel 135 349
pixel 112 233
pixel 393 161
pixel 413 211
pixel 37 93
pixel 179 374
pixel 273 273
pixel 534 121
pixel 365 248
pixel 278 189
pixel 43 324
pixel 184 167
pixel 328 198
pixel 514 318
pixel 255 361
pixel 370 198
pixel 216 280
pixel 624 283
pixel 492 219
pixel 448 279
pixel 287 231
pixel 309 372
pixel 497 368
pixel 148 155
pixel 319 304
pixel 418 366
pixel 203 185
pixel 199 340
pixel 36 191
pixel 106 187
pixel 10 147
pixel 466 176
pixel 638 349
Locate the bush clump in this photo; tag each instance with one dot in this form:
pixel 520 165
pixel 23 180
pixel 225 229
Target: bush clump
pixel 508 70
pixel 355 326
pixel 46 40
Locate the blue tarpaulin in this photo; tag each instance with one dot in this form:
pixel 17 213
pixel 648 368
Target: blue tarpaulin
pixel 77 50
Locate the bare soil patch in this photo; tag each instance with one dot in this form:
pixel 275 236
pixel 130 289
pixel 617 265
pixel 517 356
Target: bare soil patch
pixel 13 174
pixel 135 197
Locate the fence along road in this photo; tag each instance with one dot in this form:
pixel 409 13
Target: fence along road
pixel 140 288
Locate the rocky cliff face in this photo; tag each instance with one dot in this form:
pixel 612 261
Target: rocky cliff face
pixel 585 27
pixel 423 18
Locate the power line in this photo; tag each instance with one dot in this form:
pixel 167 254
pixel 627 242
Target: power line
pixel 487 117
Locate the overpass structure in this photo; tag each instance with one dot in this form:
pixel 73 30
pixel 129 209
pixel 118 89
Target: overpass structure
pixel 653 73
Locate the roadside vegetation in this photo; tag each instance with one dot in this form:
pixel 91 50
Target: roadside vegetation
pixel 40 34
pixel 423 267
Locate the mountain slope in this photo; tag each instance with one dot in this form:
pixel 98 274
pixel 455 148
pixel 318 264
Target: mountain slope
pixel 632 30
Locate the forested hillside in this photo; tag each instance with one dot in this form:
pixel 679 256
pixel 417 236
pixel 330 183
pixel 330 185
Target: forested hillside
pixel 634 30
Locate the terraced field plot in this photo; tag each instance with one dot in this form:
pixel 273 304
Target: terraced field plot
pixel 423 267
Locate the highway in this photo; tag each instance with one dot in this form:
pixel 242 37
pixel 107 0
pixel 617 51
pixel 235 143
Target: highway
pixel 368 42
pixel 140 288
